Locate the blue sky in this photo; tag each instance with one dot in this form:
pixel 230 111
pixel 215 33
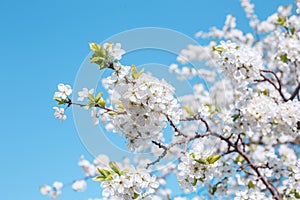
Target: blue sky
pixel 43 43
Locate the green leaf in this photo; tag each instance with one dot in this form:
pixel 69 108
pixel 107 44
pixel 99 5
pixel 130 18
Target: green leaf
pixel 98 97
pixel 94 47
pixel 111 113
pixel 102 102
pixel 115 167
pixel 96 59
pixel 280 21
pixel 60 101
pixel 213 158
pixel 210 108
pixel 201 161
pixel 251 185
pixel 136 195
pixel 192 155
pixel 188 110
pixel 194 182
pixel 135 74
pixel 292 29
pixel 264 92
pixel 219 49
pixel 92 99
pixel 99 178
pixel 284 58
pixel 235 117
pixel 239 159
pixel 104 172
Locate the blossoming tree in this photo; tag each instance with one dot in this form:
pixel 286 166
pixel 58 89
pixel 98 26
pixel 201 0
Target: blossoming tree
pixel 239 140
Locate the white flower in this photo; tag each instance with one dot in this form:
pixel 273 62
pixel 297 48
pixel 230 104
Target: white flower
pixel 54 191
pixel 45 189
pixel 117 52
pixel 58 185
pixel 95 115
pixel 88 168
pixel 64 91
pixel 79 185
pixel 84 94
pixel 60 113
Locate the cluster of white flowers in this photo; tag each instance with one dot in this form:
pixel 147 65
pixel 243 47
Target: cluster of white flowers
pixel 63 91
pixel 262 115
pixel 251 194
pixel 54 191
pixel 82 95
pixel 146 103
pixel 239 63
pixel 249 10
pixel 62 96
pixel 79 185
pixel 198 167
pixel 244 128
pixel 115 51
pixel 292 184
pixel 130 185
pixel 59 113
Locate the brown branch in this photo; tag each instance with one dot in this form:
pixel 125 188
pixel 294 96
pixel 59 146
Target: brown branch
pixel 179 142
pixel 278 88
pixel 69 102
pixel 164 153
pixel 295 93
pixel 235 146
pixel 273 190
pixel 175 127
pixel 197 117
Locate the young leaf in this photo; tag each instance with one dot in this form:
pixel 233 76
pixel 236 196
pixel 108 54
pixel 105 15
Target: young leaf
pixel 281 21
pixel 239 159
pixel 195 182
pixel 92 99
pixel 115 167
pixel 235 117
pixel 219 49
pixel 96 59
pixel 284 58
pixel 98 97
pixel 250 185
pixel 99 178
pixel 188 110
pixel 94 47
pixel 135 195
pixel 60 101
pixel 213 158
pixel 201 161
pixel 135 74
pixel 102 102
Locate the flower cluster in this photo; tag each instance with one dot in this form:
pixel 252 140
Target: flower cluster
pixel 239 63
pixel 148 103
pixel 54 191
pixel 143 105
pixel 236 137
pixel 126 183
pixel 198 167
